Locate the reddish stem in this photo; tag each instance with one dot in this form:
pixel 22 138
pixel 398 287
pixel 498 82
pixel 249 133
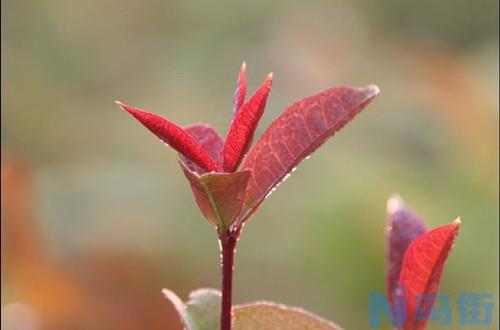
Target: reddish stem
pixel 228 240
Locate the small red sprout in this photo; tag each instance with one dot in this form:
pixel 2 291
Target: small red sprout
pixel 415 262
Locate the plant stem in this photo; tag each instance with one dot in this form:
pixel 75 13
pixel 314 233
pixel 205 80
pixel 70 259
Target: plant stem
pixel 228 240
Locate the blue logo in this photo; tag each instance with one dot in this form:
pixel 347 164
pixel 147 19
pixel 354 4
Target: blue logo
pixel 472 309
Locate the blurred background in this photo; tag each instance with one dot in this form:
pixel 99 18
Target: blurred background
pixel 97 217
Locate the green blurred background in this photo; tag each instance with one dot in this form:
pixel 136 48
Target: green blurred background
pixel 97 216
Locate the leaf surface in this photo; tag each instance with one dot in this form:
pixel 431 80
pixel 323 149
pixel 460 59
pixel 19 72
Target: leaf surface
pixel 422 268
pixel 295 134
pixel 272 316
pixel 402 227
pixel 219 195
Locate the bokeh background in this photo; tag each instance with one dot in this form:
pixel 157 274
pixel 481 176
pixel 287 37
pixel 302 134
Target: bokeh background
pixel 97 216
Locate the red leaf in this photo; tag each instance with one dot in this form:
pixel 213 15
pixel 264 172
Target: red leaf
pixel 240 135
pixel 174 136
pixel 301 129
pixel 209 140
pixel 218 195
pixel 422 267
pixel 402 227
pixel 241 88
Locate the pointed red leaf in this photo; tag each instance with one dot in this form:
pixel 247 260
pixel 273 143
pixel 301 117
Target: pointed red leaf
pixel 294 135
pixel 402 227
pixel 240 135
pixel 422 268
pixel 241 89
pixel 209 140
pixel 218 195
pixel 173 135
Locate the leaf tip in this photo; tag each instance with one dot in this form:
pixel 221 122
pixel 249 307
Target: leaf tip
pixel 121 105
pixel 243 66
pixel 372 90
pixel 165 292
pixel 170 295
pixel 457 223
pixel 125 107
pixel 394 204
pixel 174 299
pixel 269 80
